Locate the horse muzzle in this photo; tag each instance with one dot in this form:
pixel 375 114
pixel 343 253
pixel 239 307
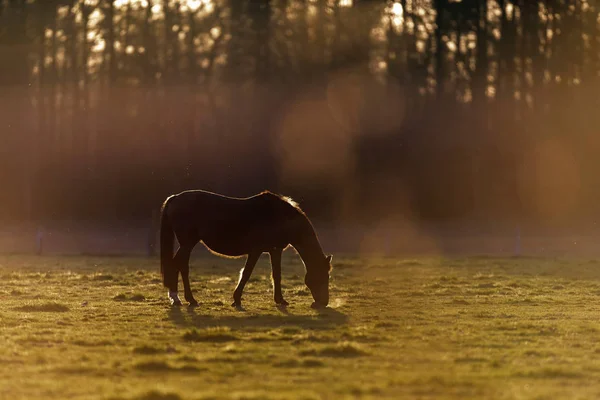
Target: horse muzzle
pixel 321 297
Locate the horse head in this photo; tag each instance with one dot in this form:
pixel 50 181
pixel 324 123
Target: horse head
pixel 317 281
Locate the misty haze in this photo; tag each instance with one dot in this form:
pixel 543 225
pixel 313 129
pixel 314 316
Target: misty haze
pixel 419 182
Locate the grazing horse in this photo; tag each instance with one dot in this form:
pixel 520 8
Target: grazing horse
pixel 235 227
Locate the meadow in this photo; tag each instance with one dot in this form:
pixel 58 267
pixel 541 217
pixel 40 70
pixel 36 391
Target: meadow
pixel 427 328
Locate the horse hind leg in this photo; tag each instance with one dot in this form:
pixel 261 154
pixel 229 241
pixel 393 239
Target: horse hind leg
pixel 172 278
pixel 182 259
pixel 173 294
pixel 187 241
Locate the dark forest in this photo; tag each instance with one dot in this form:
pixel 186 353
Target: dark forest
pixel 361 110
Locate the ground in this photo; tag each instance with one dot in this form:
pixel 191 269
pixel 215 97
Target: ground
pixel 101 328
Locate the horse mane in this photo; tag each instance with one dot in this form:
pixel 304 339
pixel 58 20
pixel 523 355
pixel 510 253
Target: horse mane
pixel 286 199
pixel 291 202
pixel 296 207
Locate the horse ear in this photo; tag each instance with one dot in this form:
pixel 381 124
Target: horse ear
pixel 329 257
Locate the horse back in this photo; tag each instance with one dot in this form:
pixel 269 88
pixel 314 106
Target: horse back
pixel 234 226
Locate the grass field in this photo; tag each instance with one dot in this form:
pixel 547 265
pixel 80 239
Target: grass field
pixel 485 328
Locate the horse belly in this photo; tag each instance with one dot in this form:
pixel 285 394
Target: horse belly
pixel 238 245
pixel 231 246
pixel 224 250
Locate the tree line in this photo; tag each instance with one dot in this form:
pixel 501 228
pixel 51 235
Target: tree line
pixel 363 109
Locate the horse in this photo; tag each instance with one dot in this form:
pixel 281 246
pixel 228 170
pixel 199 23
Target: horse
pixel 235 227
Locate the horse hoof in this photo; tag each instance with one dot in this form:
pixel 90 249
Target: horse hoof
pixel 282 303
pixel 176 303
pixel 317 306
pixel 194 303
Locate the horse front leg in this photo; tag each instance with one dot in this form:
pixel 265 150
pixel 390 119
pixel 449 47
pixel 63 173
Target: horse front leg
pixel 244 277
pixel 276 276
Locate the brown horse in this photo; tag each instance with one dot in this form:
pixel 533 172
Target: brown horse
pixel 235 227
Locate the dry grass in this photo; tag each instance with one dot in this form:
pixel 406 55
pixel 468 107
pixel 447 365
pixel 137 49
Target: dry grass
pixel 94 328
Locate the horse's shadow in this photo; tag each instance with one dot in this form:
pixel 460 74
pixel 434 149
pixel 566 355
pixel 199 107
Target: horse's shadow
pixel 192 317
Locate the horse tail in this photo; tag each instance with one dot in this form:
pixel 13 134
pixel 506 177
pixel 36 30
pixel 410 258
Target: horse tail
pixel 167 240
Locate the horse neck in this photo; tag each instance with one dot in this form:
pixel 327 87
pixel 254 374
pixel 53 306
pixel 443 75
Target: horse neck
pixel 309 248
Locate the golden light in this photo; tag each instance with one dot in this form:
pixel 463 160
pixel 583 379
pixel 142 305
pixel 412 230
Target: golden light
pixel 209 6
pixel 99 46
pixel 63 11
pixel 509 10
pixel 221 59
pixel 60 34
pixel 95 18
pixel 585 6
pixel 542 12
pixel 378 33
pixel 467 96
pixel 194 5
pixel 345 3
pixel 215 32
pixel 396 12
